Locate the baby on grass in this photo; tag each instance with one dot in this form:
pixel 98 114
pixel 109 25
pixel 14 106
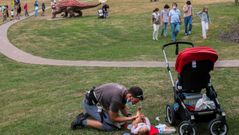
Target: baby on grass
pixel 141 125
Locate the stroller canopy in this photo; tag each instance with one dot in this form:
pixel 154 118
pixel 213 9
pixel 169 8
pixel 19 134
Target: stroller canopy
pixel 195 54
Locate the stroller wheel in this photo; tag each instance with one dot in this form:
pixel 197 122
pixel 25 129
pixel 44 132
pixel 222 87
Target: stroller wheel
pixel 217 127
pixel 170 115
pixel 185 128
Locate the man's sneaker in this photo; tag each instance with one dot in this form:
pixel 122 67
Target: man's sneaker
pixel 77 123
pixel 189 33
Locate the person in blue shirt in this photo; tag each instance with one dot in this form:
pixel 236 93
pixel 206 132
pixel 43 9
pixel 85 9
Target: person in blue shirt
pixel 174 21
pixel 36 8
pixel 164 20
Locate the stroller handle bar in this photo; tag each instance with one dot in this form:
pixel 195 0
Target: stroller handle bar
pixel 177 43
pixel 176 52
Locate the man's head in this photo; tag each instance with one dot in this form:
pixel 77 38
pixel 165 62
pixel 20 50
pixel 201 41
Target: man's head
pixel 166 6
pixel 134 94
pixel 188 2
pixel 174 5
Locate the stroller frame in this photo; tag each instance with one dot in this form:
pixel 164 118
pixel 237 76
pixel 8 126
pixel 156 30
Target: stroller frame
pixel 217 125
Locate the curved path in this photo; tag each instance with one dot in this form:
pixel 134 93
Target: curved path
pixel 12 52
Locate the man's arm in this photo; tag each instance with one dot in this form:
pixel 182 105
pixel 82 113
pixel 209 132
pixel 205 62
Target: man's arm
pixel 125 111
pixel 185 8
pixel 116 118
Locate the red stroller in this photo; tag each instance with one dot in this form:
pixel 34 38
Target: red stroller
pixel 193 66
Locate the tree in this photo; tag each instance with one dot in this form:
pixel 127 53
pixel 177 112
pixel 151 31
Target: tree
pixel 236 2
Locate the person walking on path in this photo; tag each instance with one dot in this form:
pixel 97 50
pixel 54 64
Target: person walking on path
pixel 164 20
pixel 19 10
pixel 156 23
pixel 36 8
pixel 2 10
pixel 12 14
pixel 205 20
pixel 43 7
pixel 4 15
pixel 103 105
pixel 26 9
pixel 188 13
pixel 175 21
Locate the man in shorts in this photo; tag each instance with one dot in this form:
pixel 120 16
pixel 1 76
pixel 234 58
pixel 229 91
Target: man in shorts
pixel 103 105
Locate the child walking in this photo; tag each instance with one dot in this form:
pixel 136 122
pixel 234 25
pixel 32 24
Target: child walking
pixel 164 20
pixel 205 20
pixel 12 14
pixel 26 9
pixel 43 7
pixel 156 22
pixel 4 15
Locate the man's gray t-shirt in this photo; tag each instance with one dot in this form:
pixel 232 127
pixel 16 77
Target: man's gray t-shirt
pixel 111 96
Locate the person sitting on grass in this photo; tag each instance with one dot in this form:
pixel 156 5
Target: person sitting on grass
pixel 103 105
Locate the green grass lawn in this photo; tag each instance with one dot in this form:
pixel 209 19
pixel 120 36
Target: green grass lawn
pixel 39 100
pixel 126 35
pixel 45 99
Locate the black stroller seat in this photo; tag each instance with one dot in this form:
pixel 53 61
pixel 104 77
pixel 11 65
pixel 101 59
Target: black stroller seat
pixel 195 76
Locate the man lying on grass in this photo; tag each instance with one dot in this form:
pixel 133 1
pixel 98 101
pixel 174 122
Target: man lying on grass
pixel 103 104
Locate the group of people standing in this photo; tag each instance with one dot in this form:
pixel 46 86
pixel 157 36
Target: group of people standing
pixel 172 17
pixel 17 8
pixel 36 8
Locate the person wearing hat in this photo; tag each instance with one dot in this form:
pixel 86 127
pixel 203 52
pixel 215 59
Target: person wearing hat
pixel 103 105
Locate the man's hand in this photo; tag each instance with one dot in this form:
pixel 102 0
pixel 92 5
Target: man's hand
pixel 131 118
pixel 116 118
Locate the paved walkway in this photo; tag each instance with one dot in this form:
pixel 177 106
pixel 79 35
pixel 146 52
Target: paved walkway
pixel 12 52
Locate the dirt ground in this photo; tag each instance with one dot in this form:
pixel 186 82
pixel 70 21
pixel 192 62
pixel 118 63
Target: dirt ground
pixel 231 36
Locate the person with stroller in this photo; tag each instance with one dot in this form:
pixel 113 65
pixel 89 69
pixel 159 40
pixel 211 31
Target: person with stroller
pixel 156 23
pixel 175 21
pixel 103 105
pixel 188 13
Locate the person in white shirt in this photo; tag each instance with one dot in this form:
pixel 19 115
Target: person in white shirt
pixel 164 20
pixel 155 22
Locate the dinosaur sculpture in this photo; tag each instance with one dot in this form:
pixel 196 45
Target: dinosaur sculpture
pixel 71 7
